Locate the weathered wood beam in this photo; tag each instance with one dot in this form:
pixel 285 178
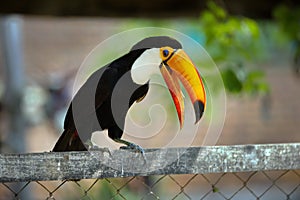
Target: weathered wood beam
pixel 122 163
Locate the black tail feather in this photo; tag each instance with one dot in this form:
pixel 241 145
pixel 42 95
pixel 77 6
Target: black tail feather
pixel 69 141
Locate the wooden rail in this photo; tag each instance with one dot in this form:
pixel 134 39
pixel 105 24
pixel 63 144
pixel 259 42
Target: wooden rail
pixel 123 163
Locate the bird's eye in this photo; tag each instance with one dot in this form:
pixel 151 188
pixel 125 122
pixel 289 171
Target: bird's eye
pixel 165 53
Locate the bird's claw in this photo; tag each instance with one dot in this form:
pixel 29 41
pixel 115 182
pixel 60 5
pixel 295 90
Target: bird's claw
pixel 136 148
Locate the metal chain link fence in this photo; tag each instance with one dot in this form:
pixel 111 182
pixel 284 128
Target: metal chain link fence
pixel 245 185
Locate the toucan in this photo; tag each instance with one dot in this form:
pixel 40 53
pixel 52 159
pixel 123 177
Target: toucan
pixel 105 98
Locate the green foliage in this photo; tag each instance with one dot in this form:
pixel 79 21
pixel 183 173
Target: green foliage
pixel 237 80
pixel 229 37
pixel 231 81
pixel 288 20
pixel 232 41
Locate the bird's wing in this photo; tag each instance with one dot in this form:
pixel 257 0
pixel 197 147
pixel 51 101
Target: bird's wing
pixel 89 97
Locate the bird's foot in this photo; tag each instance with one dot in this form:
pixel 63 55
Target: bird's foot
pixel 135 147
pixel 132 146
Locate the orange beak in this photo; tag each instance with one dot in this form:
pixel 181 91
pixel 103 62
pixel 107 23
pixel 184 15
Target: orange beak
pixel 177 66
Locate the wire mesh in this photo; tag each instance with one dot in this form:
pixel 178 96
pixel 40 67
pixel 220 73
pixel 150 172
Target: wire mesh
pixel 246 185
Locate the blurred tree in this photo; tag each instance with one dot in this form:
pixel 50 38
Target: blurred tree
pixel 288 20
pixel 232 41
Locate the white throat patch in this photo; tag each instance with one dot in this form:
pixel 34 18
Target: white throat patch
pixel 145 66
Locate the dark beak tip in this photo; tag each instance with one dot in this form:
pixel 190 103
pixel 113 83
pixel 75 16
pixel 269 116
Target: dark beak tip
pixel 199 109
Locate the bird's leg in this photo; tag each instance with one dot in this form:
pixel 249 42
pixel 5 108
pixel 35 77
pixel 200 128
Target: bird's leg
pixel 132 146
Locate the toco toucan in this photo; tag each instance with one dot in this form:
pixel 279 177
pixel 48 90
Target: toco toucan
pixel 111 90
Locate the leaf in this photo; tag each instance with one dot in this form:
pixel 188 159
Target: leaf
pixel 217 10
pixel 255 74
pixel 252 27
pixel 231 81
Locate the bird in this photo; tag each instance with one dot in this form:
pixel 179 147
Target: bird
pixel 104 99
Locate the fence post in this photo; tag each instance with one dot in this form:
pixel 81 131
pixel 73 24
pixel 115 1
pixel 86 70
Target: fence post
pixel 11 39
pixel 14 80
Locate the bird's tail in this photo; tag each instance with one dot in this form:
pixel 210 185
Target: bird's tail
pixel 69 141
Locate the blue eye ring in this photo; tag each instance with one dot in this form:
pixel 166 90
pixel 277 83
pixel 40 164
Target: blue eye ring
pixel 165 53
